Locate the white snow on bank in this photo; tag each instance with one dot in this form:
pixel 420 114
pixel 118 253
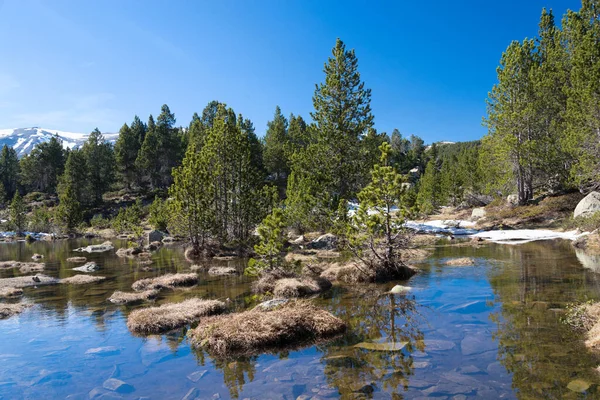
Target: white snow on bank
pixel 520 236
pixel 449 227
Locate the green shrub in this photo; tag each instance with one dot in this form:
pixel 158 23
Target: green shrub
pixel 159 214
pixel 99 222
pixel 41 220
pixel 34 196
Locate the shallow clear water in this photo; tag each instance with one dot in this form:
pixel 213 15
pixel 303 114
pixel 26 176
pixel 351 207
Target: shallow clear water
pixel 488 331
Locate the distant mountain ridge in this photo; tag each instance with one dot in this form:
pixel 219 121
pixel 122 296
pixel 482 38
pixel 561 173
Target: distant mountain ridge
pixel 23 140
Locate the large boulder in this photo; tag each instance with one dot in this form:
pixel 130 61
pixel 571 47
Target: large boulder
pixel 327 241
pixel 478 213
pixel 87 267
pixel 155 236
pixel 589 205
pixel 512 200
pixel 96 248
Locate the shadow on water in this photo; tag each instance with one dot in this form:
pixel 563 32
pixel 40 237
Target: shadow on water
pixel 486 331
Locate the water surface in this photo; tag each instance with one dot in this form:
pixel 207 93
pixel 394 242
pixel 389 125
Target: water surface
pixel 486 331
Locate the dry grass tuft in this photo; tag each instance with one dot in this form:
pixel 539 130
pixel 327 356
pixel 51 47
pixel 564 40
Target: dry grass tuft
pixel 9 292
pixel 82 279
pixel 169 281
pixel 119 297
pixel 77 259
pixel 250 332
pixel 8 310
pixel 219 271
pixel 24 267
pixel 27 281
pixel 460 262
pixel 171 316
pixel 354 272
pixel 299 287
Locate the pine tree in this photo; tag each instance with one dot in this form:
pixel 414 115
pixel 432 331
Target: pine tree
pixel 42 167
pixel 513 134
pixel 18 214
pixel 342 114
pixel 269 249
pixel 192 205
pixel 376 233
pixel 68 213
pixel 276 143
pixel 100 162
pixel 430 188
pixel 9 170
pixel 126 151
pixel 146 161
pixel 75 178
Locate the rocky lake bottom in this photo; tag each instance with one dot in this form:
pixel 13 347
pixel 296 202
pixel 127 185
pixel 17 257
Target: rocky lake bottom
pixel 490 330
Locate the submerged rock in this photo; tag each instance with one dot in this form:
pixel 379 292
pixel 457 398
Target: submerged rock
pixel 24 267
pixel 9 292
pixel 460 262
pixel 8 310
pixel 155 236
pixel 392 346
pixel 578 385
pixel 87 267
pixel 116 385
pixel 222 271
pixel 270 304
pixel 77 259
pixel 82 279
pixel 27 281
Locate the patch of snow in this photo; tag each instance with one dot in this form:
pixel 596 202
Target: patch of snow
pixel 520 236
pixel 451 227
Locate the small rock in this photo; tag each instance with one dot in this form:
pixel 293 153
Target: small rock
pixel 399 289
pixel 196 376
pixel 155 236
pixel 270 304
pixel 117 385
pixel 103 351
pixel 578 385
pixel 192 394
pixel 87 267
pixel 37 256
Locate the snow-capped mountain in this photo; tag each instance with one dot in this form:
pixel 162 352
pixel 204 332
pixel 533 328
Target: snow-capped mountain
pixel 23 140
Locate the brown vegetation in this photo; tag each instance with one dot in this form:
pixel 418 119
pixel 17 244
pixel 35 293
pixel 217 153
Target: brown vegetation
pixel 24 267
pixel 26 281
pixel 82 279
pixel 169 281
pixel 8 310
pixel 289 325
pixel 119 297
pixel 460 262
pixel 355 272
pixel 171 316
pixel 9 292
pixel 77 259
pixel 222 271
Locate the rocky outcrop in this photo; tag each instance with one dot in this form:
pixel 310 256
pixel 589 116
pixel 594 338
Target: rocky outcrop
pixel 512 200
pixel 155 236
pixel 588 206
pixel 478 213
pixel 327 241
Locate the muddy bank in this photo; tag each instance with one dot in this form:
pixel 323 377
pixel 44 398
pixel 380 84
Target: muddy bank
pixel 292 324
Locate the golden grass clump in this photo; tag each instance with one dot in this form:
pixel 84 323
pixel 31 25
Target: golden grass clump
pixel 26 281
pixel 119 297
pixel 171 316
pixel 165 281
pixel 353 272
pixel 77 259
pixel 8 310
pixel 299 287
pixel 24 267
pixel 221 271
pixel 82 279
pixel 9 292
pixel 250 332
pixel 460 262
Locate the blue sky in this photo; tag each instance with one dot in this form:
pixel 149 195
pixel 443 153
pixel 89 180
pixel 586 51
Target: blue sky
pixel 74 65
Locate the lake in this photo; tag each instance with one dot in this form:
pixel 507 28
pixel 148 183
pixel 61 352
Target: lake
pixel 488 331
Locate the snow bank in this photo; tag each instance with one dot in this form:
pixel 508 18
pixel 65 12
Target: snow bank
pixel 519 236
pixel 449 227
